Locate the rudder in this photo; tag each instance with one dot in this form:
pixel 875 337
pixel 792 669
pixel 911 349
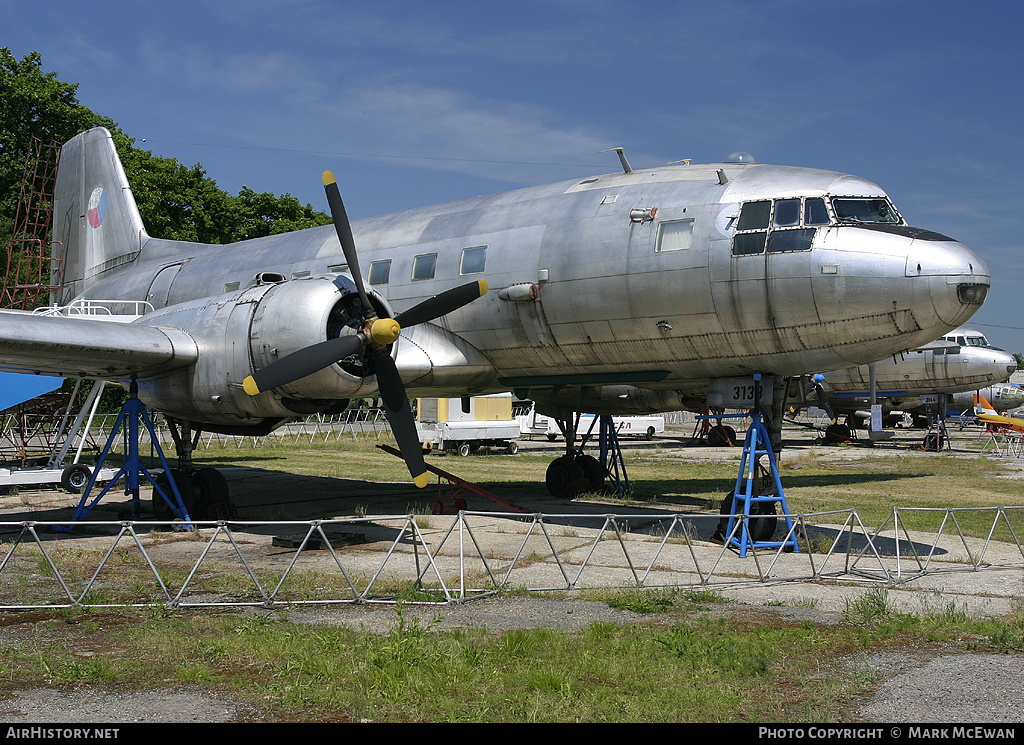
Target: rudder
pixel 96 223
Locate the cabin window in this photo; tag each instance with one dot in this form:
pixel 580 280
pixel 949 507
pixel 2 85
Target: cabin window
pixel 674 235
pixel 473 260
pixel 379 272
pixel 423 266
pixel 338 269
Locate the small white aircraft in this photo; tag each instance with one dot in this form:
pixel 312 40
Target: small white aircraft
pixel 621 293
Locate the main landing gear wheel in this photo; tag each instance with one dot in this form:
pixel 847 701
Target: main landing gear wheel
pixel 721 435
pixel 162 510
pixel 565 478
pixel 210 499
pixel 593 471
pixel 836 433
pixel 760 528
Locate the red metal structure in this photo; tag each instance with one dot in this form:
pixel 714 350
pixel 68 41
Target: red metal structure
pixel 30 273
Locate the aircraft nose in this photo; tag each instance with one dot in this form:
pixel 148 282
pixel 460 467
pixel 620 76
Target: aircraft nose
pixel 958 279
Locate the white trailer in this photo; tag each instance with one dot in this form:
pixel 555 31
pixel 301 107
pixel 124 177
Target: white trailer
pixel 532 423
pixel 75 476
pixel 443 424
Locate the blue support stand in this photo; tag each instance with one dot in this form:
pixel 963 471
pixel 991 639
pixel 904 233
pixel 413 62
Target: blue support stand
pixel 748 497
pixel 611 455
pixel 128 423
pixel 610 452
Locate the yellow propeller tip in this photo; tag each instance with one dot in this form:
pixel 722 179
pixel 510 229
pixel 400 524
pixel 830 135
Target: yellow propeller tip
pixel 422 480
pixel 329 178
pixel 483 287
pixel 250 387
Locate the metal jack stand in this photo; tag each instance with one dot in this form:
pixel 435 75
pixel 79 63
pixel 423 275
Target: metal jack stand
pixel 611 455
pixel 612 463
pixel 749 498
pixel 131 412
pixel 937 438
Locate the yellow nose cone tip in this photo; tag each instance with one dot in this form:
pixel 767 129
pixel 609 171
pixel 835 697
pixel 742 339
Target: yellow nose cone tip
pixel 421 480
pixel 385 331
pixel 328 178
pixel 250 387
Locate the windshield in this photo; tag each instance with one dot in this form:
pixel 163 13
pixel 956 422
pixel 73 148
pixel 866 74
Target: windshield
pixel 864 211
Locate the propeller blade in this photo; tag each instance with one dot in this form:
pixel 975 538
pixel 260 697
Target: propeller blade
pixel 389 382
pixel 344 231
pixel 442 304
pixel 302 363
pixel 399 415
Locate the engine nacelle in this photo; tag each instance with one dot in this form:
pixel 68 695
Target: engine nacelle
pixel 243 331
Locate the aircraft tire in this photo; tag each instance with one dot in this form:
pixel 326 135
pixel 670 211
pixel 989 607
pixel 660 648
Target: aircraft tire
pixel 209 488
pixel 74 478
pixel 563 477
pixel 836 433
pixel 933 441
pixel 161 510
pixel 593 471
pixel 650 434
pixel 721 436
pixel 760 528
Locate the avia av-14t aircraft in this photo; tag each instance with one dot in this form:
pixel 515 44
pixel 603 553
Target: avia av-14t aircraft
pixel 620 293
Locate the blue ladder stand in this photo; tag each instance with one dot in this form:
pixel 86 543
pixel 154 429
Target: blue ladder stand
pixel 756 443
pixel 128 419
pixel 746 496
pixel 610 452
pixel 611 455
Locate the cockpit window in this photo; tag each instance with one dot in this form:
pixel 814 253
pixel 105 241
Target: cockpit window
pixel 787 212
pixel 815 212
pixel 780 226
pixel 864 211
pixel 754 215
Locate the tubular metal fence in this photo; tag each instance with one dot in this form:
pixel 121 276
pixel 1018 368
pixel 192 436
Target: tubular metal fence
pixel 450 559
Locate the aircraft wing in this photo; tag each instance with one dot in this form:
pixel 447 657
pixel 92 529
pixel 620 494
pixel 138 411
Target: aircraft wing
pixel 86 348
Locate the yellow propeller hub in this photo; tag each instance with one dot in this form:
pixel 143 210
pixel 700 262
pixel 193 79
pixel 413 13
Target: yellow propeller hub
pixel 385 331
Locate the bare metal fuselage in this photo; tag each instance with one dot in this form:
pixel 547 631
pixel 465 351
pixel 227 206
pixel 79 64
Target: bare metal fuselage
pixel 582 298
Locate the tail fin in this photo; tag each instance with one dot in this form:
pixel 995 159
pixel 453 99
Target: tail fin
pixel 96 223
pixel 982 406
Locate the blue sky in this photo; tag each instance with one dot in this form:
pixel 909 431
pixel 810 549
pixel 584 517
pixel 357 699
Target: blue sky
pixel 412 103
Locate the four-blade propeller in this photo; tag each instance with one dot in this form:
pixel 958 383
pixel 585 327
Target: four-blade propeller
pixel 372 340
